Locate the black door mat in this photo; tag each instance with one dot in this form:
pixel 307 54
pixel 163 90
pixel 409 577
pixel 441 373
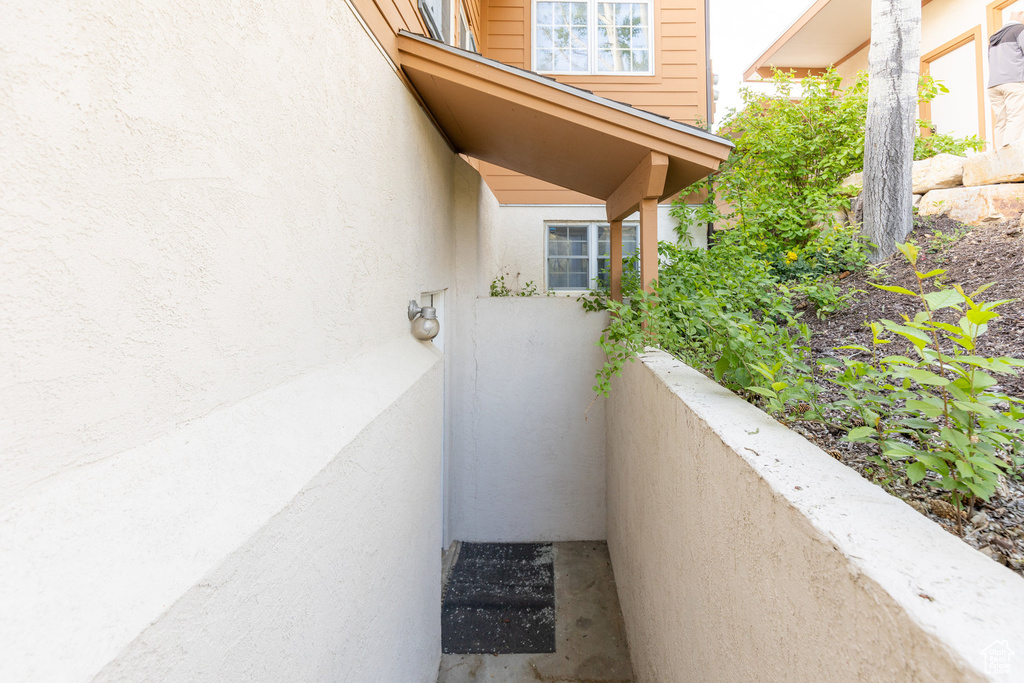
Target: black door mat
pixel 500 600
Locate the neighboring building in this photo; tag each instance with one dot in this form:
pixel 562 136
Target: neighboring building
pixel 223 456
pixel 954 42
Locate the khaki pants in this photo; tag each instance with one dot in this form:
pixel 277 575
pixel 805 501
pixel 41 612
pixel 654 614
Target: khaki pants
pixel 1008 109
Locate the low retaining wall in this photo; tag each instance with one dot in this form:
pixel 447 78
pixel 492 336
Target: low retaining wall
pixel 744 552
pixel 293 536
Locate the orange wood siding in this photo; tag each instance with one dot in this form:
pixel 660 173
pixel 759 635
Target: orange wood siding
pixel 678 88
pixel 502 30
pixel 385 18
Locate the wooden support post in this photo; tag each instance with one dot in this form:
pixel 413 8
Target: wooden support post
pixel 648 243
pixel 640 190
pixel 616 260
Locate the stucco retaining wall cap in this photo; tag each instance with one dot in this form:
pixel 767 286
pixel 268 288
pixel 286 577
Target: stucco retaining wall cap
pixel 964 599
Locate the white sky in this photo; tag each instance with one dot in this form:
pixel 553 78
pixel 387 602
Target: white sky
pixel 741 30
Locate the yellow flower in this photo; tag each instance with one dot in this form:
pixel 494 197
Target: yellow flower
pixel 791 256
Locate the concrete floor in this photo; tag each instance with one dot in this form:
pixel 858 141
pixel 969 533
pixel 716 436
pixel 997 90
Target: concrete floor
pixel 590 637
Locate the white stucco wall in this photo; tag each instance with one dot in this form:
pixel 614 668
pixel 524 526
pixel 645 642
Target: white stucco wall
pixel 529 459
pixel 220 450
pixel 198 203
pixel 743 552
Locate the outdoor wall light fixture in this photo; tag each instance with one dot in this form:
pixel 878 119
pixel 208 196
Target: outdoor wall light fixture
pixel 424 321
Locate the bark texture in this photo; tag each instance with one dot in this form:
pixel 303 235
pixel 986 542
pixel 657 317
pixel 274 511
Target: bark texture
pixel 894 70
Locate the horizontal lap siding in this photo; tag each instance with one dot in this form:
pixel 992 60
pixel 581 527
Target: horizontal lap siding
pixel 677 90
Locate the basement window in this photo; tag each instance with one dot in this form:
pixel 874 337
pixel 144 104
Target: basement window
pixel 578 254
pixel 592 37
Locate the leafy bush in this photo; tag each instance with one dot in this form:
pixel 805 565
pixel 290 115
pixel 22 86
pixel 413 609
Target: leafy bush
pixel 938 417
pixel 720 310
pixel 791 155
pixel 941 143
pixel 941 412
pixel 781 184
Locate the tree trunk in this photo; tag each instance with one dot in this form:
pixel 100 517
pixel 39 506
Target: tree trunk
pixel 894 70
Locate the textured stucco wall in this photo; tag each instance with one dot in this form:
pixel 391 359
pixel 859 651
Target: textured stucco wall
pixel 213 217
pixel 528 460
pixel 743 552
pixel 373 568
pixel 198 201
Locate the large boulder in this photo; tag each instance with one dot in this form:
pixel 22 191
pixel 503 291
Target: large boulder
pixel 855 182
pixel 975 205
pixel 1004 165
pixel 937 173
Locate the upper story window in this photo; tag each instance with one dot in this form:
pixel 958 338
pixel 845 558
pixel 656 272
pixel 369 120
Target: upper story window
pixel 446 21
pixel 592 37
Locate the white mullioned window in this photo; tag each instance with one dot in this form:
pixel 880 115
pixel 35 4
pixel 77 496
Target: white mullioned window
pixel 578 254
pixel 593 37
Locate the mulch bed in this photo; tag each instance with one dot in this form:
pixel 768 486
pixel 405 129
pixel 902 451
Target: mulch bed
pixel 986 254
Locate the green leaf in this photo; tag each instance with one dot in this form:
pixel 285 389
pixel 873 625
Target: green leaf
pixel 763 392
pixel 932 273
pixel 861 433
pixel 929 407
pixel 934 462
pixel 916 472
pixel 925 377
pixel 944 298
pixel 898 360
pixel 894 288
pixel 983 491
pixel 980 317
pixel 898 450
pixel 721 367
pixel 910 251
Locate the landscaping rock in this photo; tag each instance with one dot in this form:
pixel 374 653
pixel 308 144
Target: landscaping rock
pixel 1004 165
pixel 975 205
pixel 938 173
pixel 855 182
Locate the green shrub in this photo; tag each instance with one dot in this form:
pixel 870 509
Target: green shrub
pixel 781 183
pixel 940 412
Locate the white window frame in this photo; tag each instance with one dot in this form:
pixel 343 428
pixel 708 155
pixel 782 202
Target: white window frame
pixel 463 30
pixel 592 43
pixel 593 240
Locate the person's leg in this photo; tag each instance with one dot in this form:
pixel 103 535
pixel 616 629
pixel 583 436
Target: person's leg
pixel 998 100
pixel 1014 102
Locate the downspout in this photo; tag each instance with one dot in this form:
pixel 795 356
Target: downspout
pixel 710 92
pixel 707 67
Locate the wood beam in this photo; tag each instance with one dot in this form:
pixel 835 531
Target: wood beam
pixel 648 242
pixel 647 181
pixel 616 260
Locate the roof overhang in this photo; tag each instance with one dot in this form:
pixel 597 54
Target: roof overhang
pixel 541 128
pixel 825 35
